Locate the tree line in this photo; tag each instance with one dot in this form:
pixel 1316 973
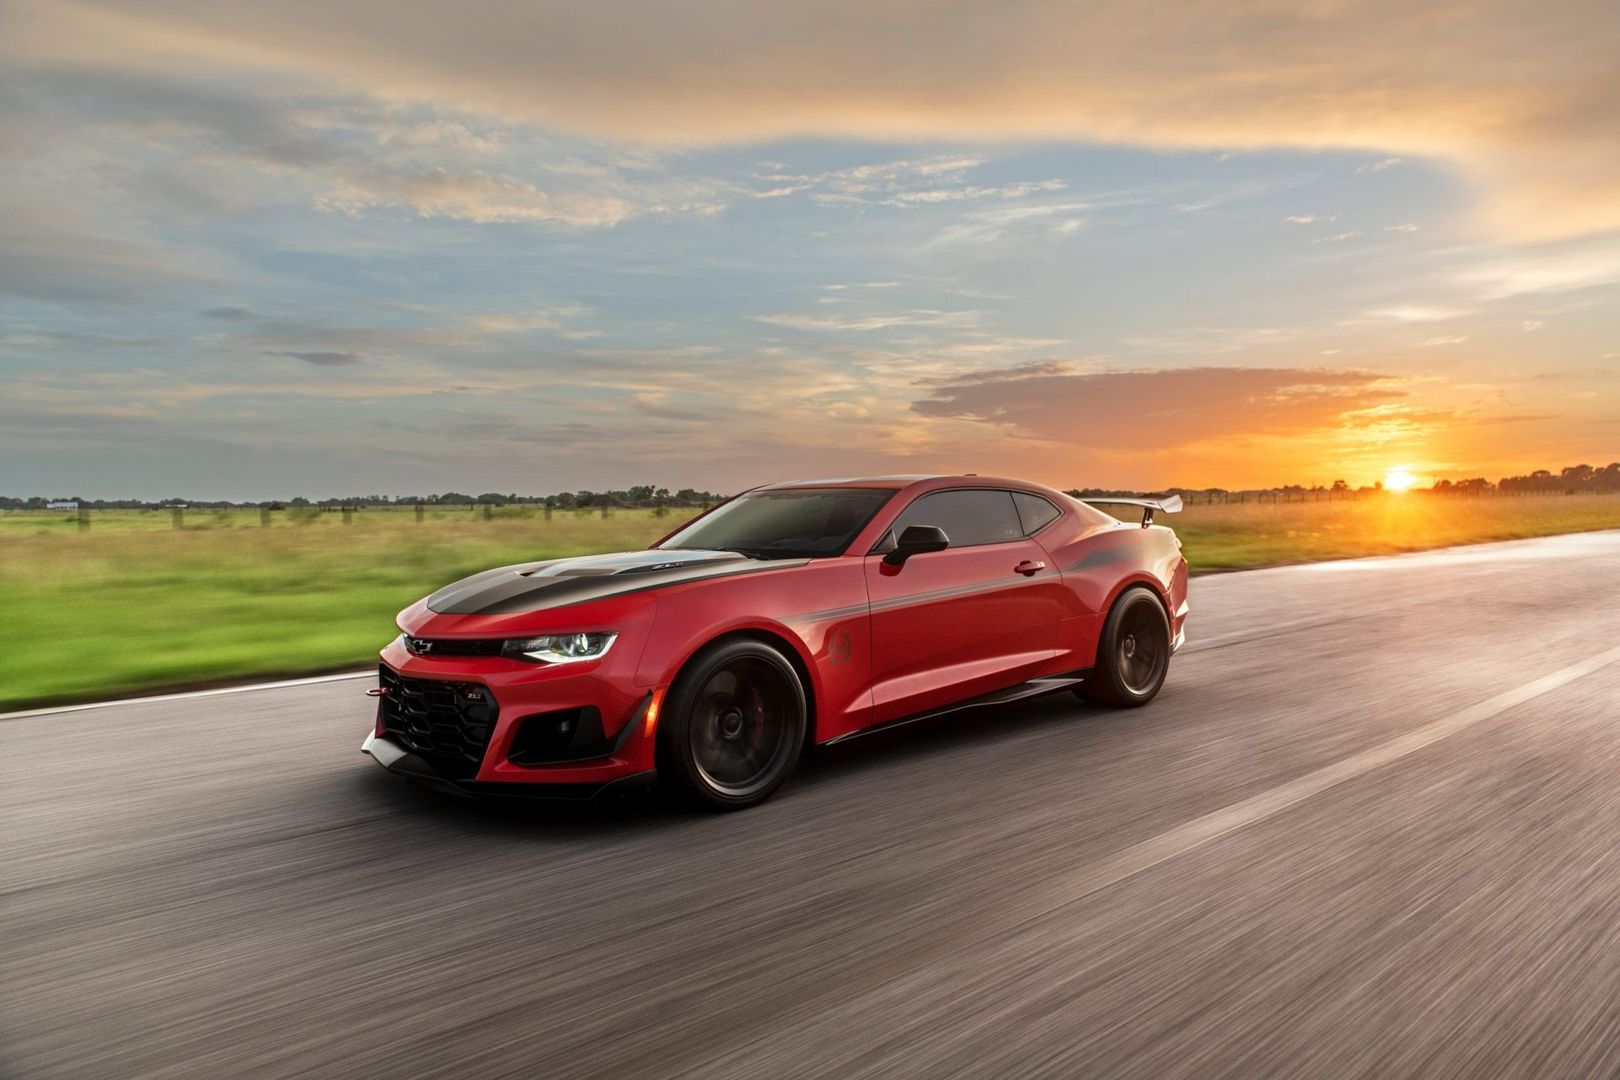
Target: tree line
pixel 638 496
pixel 1574 479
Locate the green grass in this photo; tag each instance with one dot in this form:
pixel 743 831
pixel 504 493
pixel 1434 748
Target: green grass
pixel 132 604
pixel 1239 536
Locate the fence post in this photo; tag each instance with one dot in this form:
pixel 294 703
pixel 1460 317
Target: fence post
pixel 84 517
pixel 548 513
pixel 264 517
pixel 488 512
pixel 419 511
pixel 348 514
pixel 178 515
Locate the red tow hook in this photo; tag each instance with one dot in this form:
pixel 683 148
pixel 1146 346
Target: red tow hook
pixel 377 691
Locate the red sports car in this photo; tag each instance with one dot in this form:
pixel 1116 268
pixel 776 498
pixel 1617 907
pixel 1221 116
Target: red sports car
pixel 790 616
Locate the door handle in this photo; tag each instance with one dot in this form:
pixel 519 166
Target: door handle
pixel 1029 568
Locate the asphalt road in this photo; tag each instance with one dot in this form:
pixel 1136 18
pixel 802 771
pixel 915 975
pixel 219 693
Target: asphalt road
pixel 1368 829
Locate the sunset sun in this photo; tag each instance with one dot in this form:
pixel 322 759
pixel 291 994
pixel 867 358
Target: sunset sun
pixel 1399 479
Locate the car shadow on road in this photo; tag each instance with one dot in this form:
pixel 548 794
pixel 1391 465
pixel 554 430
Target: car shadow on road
pixel 408 804
pixel 975 731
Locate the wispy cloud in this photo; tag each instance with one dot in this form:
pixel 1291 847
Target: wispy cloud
pixel 1416 313
pixel 874 321
pixel 474 196
pixel 323 359
pixel 1038 219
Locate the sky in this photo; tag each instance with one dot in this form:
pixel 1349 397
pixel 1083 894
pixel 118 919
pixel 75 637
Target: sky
pixel 257 250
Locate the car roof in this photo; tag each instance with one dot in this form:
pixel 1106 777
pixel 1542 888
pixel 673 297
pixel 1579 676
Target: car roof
pixel 893 482
pixel 920 481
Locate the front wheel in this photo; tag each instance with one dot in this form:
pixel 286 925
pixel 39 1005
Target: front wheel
pixel 1133 655
pixel 735 723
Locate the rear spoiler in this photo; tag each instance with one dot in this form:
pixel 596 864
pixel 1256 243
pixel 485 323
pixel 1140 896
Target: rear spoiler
pixel 1172 505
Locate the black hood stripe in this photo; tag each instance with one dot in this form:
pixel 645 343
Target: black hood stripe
pixel 511 590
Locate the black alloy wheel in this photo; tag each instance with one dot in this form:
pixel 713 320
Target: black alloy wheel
pixel 1134 653
pixel 735 725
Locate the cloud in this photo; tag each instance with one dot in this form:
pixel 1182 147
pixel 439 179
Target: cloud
pixel 971 191
pixel 1003 375
pixel 875 321
pixel 191 147
pixel 1519 98
pixel 1173 407
pixel 228 314
pixel 1545 269
pixel 324 359
pixel 904 183
pixel 1416 313
pixel 1039 219
pixel 655 405
pixel 473 196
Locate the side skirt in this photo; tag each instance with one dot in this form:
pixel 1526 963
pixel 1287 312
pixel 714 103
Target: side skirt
pixel 1047 684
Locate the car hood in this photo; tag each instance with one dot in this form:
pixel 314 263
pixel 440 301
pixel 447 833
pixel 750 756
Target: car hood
pixel 554 583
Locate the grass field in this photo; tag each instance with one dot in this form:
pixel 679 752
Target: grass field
pixel 133 604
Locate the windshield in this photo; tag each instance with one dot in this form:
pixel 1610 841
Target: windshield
pixel 785 523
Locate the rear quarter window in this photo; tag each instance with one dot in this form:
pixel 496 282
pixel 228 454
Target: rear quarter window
pixel 1035 512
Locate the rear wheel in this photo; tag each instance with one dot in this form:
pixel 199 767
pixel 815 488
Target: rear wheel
pixel 1133 655
pixel 734 726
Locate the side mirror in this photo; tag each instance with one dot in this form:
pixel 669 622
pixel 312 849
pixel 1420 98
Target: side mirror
pixel 916 540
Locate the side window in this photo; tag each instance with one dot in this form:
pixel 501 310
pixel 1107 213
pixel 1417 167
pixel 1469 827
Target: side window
pixel 1035 512
pixel 968 517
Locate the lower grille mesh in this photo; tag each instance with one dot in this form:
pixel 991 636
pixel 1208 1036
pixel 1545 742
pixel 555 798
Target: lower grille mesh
pixel 448 723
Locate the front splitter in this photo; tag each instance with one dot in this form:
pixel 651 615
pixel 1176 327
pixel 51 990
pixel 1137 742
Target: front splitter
pixel 417 769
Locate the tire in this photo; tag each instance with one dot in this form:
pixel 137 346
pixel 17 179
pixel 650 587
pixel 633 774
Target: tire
pixel 1133 655
pixel 733 728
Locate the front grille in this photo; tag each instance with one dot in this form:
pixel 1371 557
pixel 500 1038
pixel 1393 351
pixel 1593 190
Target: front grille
pixel 454 646
pixel 448 723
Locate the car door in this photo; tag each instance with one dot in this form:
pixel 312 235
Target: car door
pixel 979 616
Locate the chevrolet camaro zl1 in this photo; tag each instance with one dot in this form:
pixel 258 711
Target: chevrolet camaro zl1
pixel 791 616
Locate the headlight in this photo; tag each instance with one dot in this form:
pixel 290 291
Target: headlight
pixel 559 648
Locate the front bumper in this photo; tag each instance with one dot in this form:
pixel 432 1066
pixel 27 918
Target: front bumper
pixel 414 767
pixel 470 724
